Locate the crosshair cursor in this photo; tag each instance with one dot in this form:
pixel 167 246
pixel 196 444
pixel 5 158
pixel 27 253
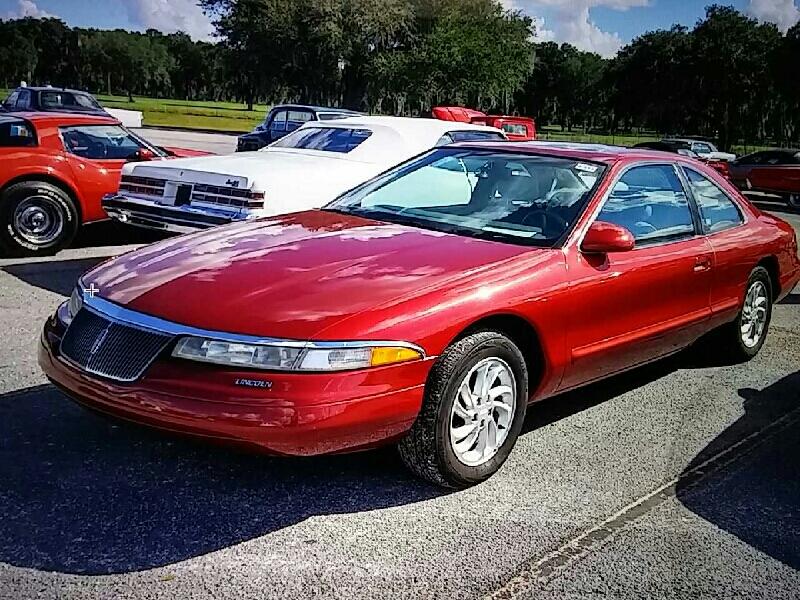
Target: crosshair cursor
pixel 91 290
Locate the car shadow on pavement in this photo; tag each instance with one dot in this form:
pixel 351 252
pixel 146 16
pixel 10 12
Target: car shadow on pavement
pixel 57 276
pixel 757 496
pixel 114 233
pixel 791 299
pixel 82 494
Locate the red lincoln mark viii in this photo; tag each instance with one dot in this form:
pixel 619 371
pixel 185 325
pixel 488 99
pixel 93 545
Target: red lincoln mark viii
pixel 55 168
pixel 427 307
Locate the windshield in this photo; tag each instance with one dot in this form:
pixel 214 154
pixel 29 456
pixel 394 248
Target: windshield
pixel 101 142
pixel 516 198
pixel 326 139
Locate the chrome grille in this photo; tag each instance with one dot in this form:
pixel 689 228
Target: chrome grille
pixel 110 349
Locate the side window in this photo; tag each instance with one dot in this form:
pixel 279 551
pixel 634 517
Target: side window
pixel 295 118
pixel 16 134
pixel 702 148
pixel 278 123
pixel 650 202
pixel 24 99
pixel 717 211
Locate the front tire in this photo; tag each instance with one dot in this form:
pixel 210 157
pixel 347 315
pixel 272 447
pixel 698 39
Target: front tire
pixel 36 218
pixel 793 200
pixel 472 412
pixel 744 337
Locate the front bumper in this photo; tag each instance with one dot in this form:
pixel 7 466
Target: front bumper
pixel 301 414
pixel 179 219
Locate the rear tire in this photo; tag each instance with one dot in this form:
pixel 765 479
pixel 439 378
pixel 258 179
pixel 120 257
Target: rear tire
pixel 793 200
pixel 743 338
pixel 36 218
pixel 461 438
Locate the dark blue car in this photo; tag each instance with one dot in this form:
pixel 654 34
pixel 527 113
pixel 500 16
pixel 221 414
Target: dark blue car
pixel 49 99
pixel 285 118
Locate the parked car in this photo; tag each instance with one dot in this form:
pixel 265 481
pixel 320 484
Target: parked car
pixel 305 169
pixel 51 99
pixel 284 119
pixel 684 148
pixel 704 149
pixel 54 169
pixel 426 307
pixel 771 171
pixel 518 129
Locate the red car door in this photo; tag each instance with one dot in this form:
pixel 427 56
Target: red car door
pixel 734 257
pixel 633 307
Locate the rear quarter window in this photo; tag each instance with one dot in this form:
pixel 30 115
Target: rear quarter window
pixel 16 134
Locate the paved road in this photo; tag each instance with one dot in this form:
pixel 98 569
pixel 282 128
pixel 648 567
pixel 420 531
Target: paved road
pixel 218 143
pixel 680 480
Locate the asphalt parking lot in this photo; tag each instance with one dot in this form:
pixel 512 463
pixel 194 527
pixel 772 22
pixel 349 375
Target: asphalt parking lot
pixel 678 480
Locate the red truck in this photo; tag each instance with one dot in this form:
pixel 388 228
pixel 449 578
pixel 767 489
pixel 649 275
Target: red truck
pixel 516 128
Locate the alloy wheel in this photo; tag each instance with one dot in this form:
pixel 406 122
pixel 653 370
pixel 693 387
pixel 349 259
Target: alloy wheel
pixel 754 314
pixel 483 411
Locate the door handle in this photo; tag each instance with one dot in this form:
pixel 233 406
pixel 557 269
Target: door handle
pixel 702 264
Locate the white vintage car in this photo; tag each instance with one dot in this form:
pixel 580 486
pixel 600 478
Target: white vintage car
pixel 304 170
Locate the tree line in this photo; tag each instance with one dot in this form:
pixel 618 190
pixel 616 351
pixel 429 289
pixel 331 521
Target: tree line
pixel 729 77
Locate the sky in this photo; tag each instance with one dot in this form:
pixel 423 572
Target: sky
pixel 601 26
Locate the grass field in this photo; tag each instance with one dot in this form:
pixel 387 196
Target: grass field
pixel 235 118
pixel 191 114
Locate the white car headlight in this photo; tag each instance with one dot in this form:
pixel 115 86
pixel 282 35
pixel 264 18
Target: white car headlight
pixel 297 357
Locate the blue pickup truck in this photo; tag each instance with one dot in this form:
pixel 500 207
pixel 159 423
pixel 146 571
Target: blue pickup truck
pixel 285 118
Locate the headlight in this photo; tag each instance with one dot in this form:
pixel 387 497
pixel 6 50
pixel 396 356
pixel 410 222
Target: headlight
pixel 73 305
pixel 299 357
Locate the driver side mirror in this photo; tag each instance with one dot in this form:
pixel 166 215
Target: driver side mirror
pixel 142 154
pixel 603 237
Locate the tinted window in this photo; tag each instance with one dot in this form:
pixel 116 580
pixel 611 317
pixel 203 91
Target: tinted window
pixel 327 139
pixel 702 148
pixel 332 116
pixel 716 209
pixel 476 136
pixel 11 101
pixel 650 202
pixel 59 99
pixel 278 122
pixel 100 142
pixel 16 134
pixel 24 99
pixel 532 200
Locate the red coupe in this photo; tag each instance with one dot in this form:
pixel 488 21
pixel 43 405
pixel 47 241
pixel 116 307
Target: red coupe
pixel 427 307
pixel 55 168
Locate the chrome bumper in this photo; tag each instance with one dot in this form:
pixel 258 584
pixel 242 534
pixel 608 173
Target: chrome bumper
pixel 180 219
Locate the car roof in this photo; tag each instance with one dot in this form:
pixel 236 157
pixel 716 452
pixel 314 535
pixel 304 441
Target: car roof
pixel 64 118
pixel 393 138
pixel 411 126
pixel 49 88
pixel 602 153
pixel 326 109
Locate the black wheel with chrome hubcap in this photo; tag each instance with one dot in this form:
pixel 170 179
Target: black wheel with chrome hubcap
pixel 36 218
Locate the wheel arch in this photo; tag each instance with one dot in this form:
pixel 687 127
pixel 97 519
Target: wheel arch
pixel 770 263
pixel 524 335
pixel 52 180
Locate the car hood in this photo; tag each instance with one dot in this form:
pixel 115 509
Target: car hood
pixel 292 276
pixel 245 170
